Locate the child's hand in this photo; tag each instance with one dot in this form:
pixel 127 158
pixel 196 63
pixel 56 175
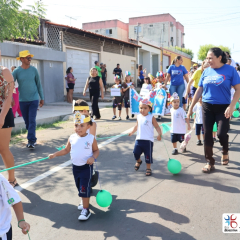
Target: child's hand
pixel 159 137
pixel 194 126
pixel 90 161
pixel 130 134
pixel 189 127
pixel 24 226
pixel 51 156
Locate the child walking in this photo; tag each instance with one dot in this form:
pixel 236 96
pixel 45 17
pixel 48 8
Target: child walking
pixel 125 88
pixel 83 107
pixel 9 198
pixel 198 121
pixel 145 135
pixel 147 84
pixel 179 120
pixel 84 150
pixel 117 101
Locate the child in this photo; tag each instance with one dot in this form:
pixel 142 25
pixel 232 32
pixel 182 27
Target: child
pixel 125 88
pixel 179 119
pixel 160 80
pixel 145 135
pixel 9 198
pixel 84 151
pixel 198 121
pixel 117 101
pixel 83 108
pixel 147 84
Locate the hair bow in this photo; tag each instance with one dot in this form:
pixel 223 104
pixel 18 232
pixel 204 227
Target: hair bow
pixel 78 118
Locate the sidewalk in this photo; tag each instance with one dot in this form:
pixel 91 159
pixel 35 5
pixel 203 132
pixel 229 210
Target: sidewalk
pixel 50 113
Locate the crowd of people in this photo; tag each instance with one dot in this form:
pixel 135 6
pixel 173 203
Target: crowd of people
pixel 212 92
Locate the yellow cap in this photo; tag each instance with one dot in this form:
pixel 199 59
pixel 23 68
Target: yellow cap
pixel 24 54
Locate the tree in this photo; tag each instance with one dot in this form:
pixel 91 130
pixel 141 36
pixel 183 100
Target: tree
pixel 203 50
pixel 186 50
pixel 16 23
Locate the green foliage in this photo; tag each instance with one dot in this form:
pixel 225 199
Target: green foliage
pixel 15 23
pixel 38 9
pixel 186 50
pixel 203 50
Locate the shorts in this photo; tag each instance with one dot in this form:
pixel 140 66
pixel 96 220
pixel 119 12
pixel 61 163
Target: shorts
pixel 117 104
pixel 67 89
pixel 175 137
pixel 126 103
pixel 184 101
pixel 198 129
pixel 104 82
pixel 192 91
pixel 82 176
pixel 71 85
pixel 146 147
pixel 9 119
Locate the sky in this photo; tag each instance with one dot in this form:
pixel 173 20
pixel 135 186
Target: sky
pixel 205 22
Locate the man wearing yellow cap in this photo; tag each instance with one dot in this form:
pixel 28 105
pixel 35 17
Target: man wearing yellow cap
pixel 30 89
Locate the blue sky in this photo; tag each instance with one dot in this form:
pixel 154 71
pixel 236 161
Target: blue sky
pixel 206 21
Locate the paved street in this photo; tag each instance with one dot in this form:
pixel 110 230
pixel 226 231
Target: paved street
pixel 164 206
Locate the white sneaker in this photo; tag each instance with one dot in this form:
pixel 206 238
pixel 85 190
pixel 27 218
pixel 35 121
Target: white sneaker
pixel 85 214
pixel 80 207
pixel 119 118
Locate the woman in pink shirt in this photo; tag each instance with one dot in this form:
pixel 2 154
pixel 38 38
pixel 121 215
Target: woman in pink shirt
pixel 71 82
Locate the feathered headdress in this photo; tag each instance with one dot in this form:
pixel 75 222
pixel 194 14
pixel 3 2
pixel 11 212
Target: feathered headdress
pixel 146 102
pixel 79 108
pixel 78 118
pixel 174 97
pixel 116 77
pixel 127 73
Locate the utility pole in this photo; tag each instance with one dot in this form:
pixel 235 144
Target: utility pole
pixel 71 19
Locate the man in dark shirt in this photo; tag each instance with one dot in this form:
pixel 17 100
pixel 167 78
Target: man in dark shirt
pixel 104 75
pixel 118 71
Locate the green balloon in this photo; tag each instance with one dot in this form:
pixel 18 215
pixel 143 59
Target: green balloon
pixel 104 198
pixel 215 127
pixel 174 166
pixel 237 105
pixel 236 114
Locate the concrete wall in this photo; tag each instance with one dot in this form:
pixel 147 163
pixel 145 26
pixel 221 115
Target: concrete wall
pixel 111 60
pixel 51 67
pixel 155 64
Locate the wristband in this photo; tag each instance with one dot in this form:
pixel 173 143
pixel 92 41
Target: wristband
pixel 94 158
pixel 23 220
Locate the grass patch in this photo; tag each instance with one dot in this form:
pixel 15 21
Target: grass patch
pixel 108 106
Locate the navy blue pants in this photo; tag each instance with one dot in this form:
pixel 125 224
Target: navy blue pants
pixel 9 234
pixel 146 147
pixel 82 176
pixel 177 137
pixel 29 113
pixel 198 129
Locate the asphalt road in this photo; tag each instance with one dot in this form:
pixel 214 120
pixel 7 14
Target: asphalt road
pixel 164 206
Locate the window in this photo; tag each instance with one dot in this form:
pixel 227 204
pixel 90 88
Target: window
pixel 108 31
pixel 151 25
pixel 96 30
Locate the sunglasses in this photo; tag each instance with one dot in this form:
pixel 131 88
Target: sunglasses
pixel 28 58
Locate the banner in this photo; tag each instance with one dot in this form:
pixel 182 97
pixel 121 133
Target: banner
pixel 158 97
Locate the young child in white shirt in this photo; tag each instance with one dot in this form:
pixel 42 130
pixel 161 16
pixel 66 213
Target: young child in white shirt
pixel 84 150
pixel 9 198
pixel 147 84
pixel 179 120
pixel 198 124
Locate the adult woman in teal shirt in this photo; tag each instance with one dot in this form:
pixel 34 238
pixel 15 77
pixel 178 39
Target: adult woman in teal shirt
pixel 215 89
pixel 175 74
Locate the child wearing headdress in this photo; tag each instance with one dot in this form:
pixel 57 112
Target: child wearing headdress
pixel 125 88
pixel 83 149
pixel 178 123
pixel 145 135
pixel 117 100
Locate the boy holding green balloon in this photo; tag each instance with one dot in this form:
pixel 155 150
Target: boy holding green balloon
pixel 83 149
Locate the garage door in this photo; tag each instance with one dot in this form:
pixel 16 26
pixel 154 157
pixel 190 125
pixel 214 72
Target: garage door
pixel 81 62
pixel 165 62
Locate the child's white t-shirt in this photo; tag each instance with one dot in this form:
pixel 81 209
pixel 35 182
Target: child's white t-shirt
pixel 198 110
pixel 178 117
pixel 145 129
pixel 147 86
pixel 81 149
pixel 8 198
pixel 185 83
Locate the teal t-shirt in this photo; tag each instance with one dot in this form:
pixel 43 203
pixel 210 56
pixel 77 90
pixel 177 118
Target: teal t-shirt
pixel 29 84
pixel 99 71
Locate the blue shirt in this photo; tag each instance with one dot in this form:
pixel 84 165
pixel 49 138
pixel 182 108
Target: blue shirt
pixel 177 74
pixel 141 75
pixel 29 84
pixel 217 84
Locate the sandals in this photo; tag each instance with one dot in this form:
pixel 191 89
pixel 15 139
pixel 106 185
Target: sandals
pixel 208 170
pixel 137 167
pixel 14 183
pixel 225 161
pixel 148 172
